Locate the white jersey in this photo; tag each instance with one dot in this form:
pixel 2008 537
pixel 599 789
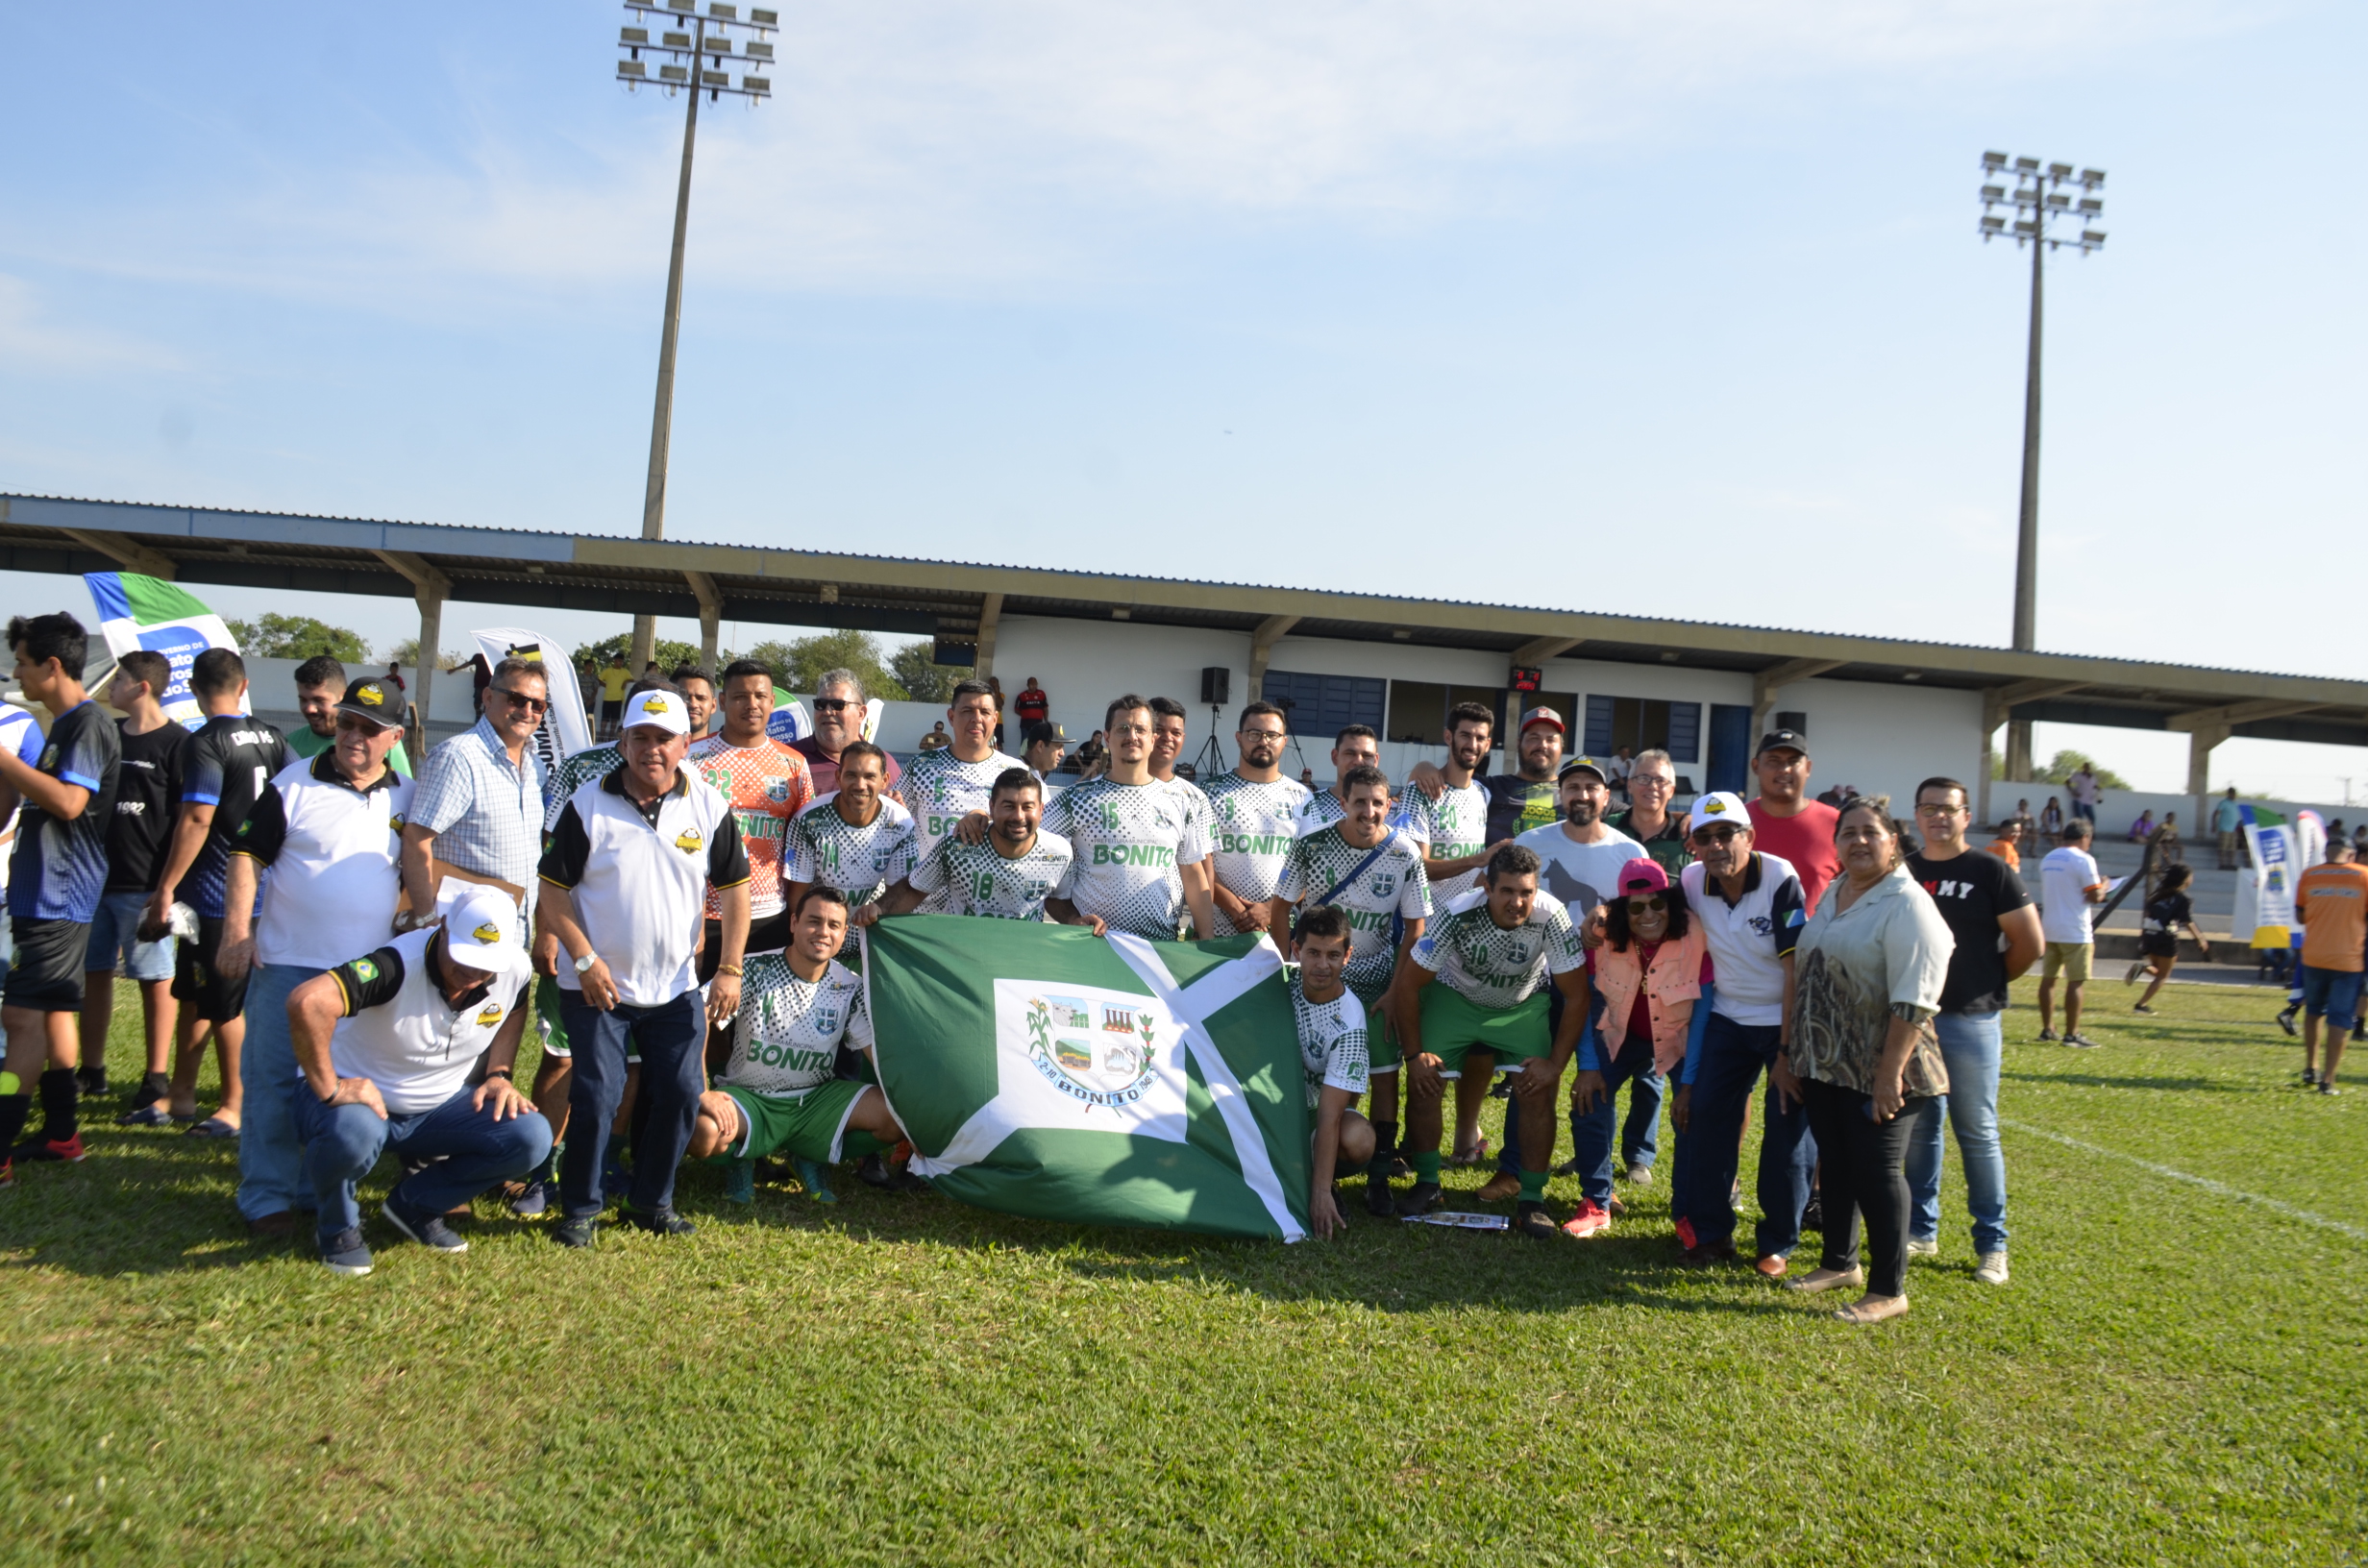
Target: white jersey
pixel 1490 967
pixel 1129 841
pixel 980 879
pixel 1333 1049
pixel 1253 828
pixel 1458 824
pixel 786 1041
pixel 1377 888
pixel 940 789
pixel 1324 808
pixel 860 862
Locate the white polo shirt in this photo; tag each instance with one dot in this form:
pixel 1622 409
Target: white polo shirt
pixel 402 1032
pixel 639 879
pixel 333 852
pixel 1748 940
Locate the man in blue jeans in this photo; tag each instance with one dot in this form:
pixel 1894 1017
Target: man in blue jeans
pixel 330 829
pixel 1984 902
pixel 1750 907
pixel 625 889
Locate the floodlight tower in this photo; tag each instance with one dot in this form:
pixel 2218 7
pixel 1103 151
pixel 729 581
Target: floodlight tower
pixel 699 58
pixel 2039 198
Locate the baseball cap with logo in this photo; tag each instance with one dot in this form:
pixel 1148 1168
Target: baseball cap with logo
pixel 1044 730
pixel 1543 715
pixel 1719 806
pixel 1583 765
pixel 480 930
pixel 664 709
pixel 1783 740
pixel 380 702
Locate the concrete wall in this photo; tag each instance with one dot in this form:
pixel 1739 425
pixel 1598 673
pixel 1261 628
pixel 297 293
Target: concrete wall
pixel 2121 807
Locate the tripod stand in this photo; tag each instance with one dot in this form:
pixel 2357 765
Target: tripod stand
pixel 1211 759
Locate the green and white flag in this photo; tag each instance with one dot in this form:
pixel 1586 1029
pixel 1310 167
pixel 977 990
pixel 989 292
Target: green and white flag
pixel 1045 1072
pixel 143 612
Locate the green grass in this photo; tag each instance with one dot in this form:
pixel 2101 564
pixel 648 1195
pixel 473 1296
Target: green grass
pixel 2174 1376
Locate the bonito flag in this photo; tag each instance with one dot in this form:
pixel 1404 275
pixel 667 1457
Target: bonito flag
pixel 564 730
pixel 137 612
pixel 1045 1072
pixel 2276 865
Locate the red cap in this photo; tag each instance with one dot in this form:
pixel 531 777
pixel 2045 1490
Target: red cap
pixel 1641 875
pixel 1543 715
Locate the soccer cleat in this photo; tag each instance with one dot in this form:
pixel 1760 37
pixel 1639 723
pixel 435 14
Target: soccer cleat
pixel 2286 1019
pixel 531 1200
pixel 345 1255
pixel 1422 1198
pixel 1590 1221
pixel 2142 1007
pixel 1534 1222
pixel 1991 1268
pixel 574 1234
pixel 1923 1246
pixel 1379 1201
pixel 660 1223
pixel 2080 1042
pixel 427 1229
pixel 740 1182
pixel 2047 1037
pixel 2310 1077
pixel 2327 1086
pixel 817 1179
pixel 2136 969
pixel 63 1150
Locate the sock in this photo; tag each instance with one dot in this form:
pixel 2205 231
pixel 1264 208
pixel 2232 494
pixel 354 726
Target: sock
pixel 61 1099
pixel 1427 1167
pixel 1385 1149
pixel 1533 1186
pixel 14 1109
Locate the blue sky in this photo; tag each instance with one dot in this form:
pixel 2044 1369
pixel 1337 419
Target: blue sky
pixel 1675 309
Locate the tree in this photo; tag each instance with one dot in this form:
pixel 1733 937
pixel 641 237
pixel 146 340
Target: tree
pixel 406 653
pixel 272 636
pixel 671 655
pixel 916 668
pixel 799 664
pixel 2065 764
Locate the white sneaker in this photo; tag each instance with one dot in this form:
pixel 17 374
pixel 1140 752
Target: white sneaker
pixel 1991 1268
pixel 1920 1247
pixel 1640 1175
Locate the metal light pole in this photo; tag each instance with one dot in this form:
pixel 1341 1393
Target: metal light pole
pixel 2039 197
pixel 705 54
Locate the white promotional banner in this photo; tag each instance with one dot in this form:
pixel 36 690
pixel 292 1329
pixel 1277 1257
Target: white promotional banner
pixel 565 730
pixel 2275 863
pixel 140 612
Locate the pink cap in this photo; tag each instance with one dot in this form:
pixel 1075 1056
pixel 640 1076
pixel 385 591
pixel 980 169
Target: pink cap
pixel 1641 875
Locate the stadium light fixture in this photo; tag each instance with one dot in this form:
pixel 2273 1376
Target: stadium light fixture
pixel 696 47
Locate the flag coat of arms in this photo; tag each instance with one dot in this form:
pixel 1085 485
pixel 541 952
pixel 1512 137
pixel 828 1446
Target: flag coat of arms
pixel 1041 1070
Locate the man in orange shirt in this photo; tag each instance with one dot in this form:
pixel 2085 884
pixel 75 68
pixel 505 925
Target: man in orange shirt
pixel 2332 901
pixel 768 784
pixel 2009 835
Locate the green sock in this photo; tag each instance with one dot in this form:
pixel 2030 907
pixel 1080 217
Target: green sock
pixel 1533 1186
pixel 1427 1167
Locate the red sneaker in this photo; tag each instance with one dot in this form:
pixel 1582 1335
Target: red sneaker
pixel 1685 1233
pixel 69 1151
pixel 1590 1221
pixel 7 1173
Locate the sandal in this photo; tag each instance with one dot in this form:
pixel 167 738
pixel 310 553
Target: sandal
pixel 211 1127
pixel 1818 1280
pixel 1873 1309
pixel 1478 1156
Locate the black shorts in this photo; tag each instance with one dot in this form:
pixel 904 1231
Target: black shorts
pixel 2157 944
pixel 46 975
pixel 769 935
pixel 195 982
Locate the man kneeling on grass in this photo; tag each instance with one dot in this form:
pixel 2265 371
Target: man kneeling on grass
pixel 779 1094
pixel 385 1045
pixel 1493 951
pixel 1332 1053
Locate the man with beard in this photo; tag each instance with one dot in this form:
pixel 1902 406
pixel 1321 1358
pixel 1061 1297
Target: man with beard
pixel 1254 809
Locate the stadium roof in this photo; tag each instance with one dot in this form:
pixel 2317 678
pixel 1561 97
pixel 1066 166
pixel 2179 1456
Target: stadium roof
pixel 950 599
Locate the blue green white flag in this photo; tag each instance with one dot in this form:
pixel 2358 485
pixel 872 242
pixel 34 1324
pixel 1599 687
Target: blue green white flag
pixel 137 612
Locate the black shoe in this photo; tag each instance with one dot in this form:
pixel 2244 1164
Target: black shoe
pixel 1399 1167
pixel 662 1222
pixel 1422 1199
pixel 876 1171
pixel 2310 1077
pixel 345 1254
pixel 427 1229
pixel 2285 1020
pixel 1812 1218
pixel 573 1232
pixel 1569 1168
pixel 1379 1201
pixel 2327 1086
pixel 90 1081
pixel 1534 1222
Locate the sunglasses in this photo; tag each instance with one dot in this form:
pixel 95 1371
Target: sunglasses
pixel 519 700
pixel 832 704
pixel 1722 833
pixel 1654 905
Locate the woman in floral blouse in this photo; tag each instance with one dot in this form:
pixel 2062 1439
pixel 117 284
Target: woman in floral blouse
pixel 1869 969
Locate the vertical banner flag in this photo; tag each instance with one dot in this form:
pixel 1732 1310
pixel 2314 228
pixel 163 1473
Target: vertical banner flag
pixel 137 612
pixel 789 723
pixel 1043 1071
pixel 2277 863
pixel 566 730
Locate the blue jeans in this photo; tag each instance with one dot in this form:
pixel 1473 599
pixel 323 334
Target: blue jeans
pixel 1734 1055
pixel 470 1151
pixel 1969 1044
pixel 114 936
pixel 1591 1134
pixel 270 1155
pixel 672 1041
pixel 1640 1138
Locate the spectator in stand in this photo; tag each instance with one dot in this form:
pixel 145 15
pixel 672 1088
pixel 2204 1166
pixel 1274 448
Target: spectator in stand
pixel 2157 937
pixel 2144 828
pixel 1034 706
pixel 2023 819
pixel 2051 821
pixel 2228 824
pixel 995 688
pixel 147 787
pixel 2087 794
pixel 2007 845
pixel 697 688
pixel 1784 823
pixel 2070 885
pixel 937 740
pixel 614 678
pixel 2332 901
pixel 839 713
pixel 1618 765
pixel 320 686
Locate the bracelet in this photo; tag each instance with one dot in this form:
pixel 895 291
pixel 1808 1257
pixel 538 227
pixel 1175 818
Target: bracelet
pixel 502 1074
pixel 732 969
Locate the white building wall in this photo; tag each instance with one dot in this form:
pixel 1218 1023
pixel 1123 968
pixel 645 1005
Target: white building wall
pixel 1883 739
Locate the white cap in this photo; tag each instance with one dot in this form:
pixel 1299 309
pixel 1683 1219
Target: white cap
pixel 480 930
pixel 665 709
pixel 1719 806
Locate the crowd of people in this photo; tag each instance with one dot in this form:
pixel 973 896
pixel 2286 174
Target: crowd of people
pixel 678 914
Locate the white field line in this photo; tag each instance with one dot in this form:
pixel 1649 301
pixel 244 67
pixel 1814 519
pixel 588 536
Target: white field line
pixel 2221 1188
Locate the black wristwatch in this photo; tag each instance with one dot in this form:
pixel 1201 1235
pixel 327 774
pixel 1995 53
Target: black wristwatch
pixel 500 1072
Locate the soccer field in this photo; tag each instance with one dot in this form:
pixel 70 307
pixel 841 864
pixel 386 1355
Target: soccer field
pixel 2175 1375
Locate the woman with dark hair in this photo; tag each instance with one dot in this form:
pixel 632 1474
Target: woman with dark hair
pixel 1871 963
pixel 2158 936
pixel 1651 970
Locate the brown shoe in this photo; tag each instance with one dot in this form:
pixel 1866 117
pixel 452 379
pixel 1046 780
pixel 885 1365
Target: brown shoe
pixel 273 1226
pixel 1707 1255
pixel 1499 1187
pixel 1614 1207
pixel 1772 1266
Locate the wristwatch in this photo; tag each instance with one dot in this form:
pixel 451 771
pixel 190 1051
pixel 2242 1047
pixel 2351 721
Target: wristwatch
pixel 583 964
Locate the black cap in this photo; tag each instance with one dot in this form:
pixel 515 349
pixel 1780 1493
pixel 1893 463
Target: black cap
pixel 1041 731
pixel 1582 765
pixel 1783 740
pixel 380 702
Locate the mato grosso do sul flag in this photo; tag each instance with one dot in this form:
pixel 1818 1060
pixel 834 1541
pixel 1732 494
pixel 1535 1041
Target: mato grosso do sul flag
pixel 137 612
pixel 1043 1070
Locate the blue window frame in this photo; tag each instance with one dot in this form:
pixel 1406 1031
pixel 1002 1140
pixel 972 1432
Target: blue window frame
pixel 1323 705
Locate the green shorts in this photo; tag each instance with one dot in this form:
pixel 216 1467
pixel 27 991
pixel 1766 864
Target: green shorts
pixel 1453 1025
pixel 1381 1054
pixel 547 1014
pixel 811 1127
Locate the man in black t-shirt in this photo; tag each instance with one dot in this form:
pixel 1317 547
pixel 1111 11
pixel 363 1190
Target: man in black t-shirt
pixel 1518 802
pixel 1997 932
pixel 224 769
pixel 147 788
pixel 67 786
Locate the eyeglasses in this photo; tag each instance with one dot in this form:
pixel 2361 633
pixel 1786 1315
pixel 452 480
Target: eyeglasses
pixel 1721 833
pixel 1654 905
pixel 1260 734
pixel 1652 781
pixel 519 700
pixel 832 704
